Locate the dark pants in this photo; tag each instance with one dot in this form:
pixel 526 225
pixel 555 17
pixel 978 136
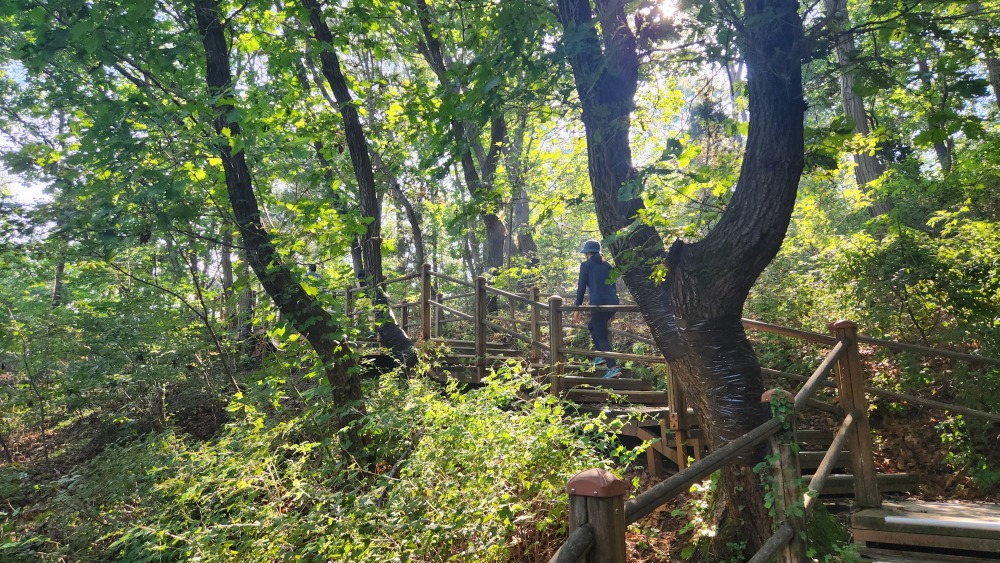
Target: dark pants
pixel 598 326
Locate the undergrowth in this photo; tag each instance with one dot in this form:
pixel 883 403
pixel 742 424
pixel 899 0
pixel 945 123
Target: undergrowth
pixel 461 475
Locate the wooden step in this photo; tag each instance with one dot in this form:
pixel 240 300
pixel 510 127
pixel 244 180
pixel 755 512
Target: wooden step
pixel 840 485
pixel 882 555
pixel 620 384
pixel 968 527
pixel 601 396
pixel 809 461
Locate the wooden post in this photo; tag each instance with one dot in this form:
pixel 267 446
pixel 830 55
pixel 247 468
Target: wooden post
pixel 404 317
pixel 555 335
pixel 482 310
pixel 788 501
pixel 536 327
pixel 349 304
pixel 678 417
pixel 425 302
pixel 598 497
pixel 851 387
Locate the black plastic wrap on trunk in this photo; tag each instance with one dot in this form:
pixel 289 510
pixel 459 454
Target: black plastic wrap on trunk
pixel 729 375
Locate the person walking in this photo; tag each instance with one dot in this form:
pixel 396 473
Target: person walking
pixel 594 273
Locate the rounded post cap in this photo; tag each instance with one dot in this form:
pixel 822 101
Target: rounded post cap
pixel 769 395
pixel 555 297
pixel 841 324
pixel 598 483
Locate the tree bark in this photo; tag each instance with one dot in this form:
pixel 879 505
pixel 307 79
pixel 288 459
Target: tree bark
pixel 414 220
pixel 521 215
pixel 868 167
pixel 694 315
pixel 302 311
pixel 993 73
pixel 989 54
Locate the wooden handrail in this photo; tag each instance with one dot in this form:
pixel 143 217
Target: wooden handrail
pixel 614 330
pixel 576 545
pixel 508 320
pixel 819 375
pixel 893 395
pixel 513 296
pixel 457 296
pixel 660 493
pixel 508 332
pixel 794 333
pixel 450 310
pixel 903 346
pixel 451 279
pixel 666 490
pixel 602 308
pixel 829 461
pixel 407 277
pixel 616 355
pixel 781 536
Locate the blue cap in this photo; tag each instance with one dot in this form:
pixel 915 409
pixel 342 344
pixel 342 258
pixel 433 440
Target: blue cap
pixel 591 247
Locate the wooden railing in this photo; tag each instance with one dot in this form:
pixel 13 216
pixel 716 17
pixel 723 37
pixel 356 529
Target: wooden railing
pixel 594 526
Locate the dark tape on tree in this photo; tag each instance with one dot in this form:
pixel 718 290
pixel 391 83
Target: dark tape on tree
pixel 728 372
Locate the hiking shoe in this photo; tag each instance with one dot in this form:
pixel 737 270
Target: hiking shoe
pixel 599 361
pixel 613 373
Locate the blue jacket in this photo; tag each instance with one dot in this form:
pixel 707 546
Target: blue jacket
pixel 594 277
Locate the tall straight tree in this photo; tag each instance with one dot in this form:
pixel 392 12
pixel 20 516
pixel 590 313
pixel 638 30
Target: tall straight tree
pixel 694 312
pixel 361 161
pixel 302 310
pixel 868 166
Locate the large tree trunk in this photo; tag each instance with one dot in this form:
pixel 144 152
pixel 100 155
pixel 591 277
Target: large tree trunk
pixel 357 144
pixel 302 311
pixel 868 167
pixel 975 9
pixel 514 159
pixel 694 316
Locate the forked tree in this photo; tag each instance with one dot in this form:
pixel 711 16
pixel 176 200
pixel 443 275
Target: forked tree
pixel 692 294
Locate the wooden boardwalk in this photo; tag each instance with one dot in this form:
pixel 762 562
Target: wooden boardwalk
pixel 467 328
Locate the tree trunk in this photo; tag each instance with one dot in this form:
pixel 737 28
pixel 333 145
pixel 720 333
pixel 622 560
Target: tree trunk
pixel 391 333
pixel 989 54
pixel 226 265
pixel 694 316
pixel 357 144
pixel 57 284
pixel 521 213
pixel 993 73
pixel 868 167
pixel 301 310
pixel 477 182
pixel 942 148
pixel 414 219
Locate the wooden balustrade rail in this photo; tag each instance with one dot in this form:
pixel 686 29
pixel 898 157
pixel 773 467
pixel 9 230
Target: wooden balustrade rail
pixel 784 543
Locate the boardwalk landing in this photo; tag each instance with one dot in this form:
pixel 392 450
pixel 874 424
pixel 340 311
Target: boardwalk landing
pixel 941 530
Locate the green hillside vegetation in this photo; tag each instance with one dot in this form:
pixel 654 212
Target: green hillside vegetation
pixel 182 376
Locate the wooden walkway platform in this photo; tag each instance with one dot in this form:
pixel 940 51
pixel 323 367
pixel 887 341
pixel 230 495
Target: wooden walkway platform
pixel 934 530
